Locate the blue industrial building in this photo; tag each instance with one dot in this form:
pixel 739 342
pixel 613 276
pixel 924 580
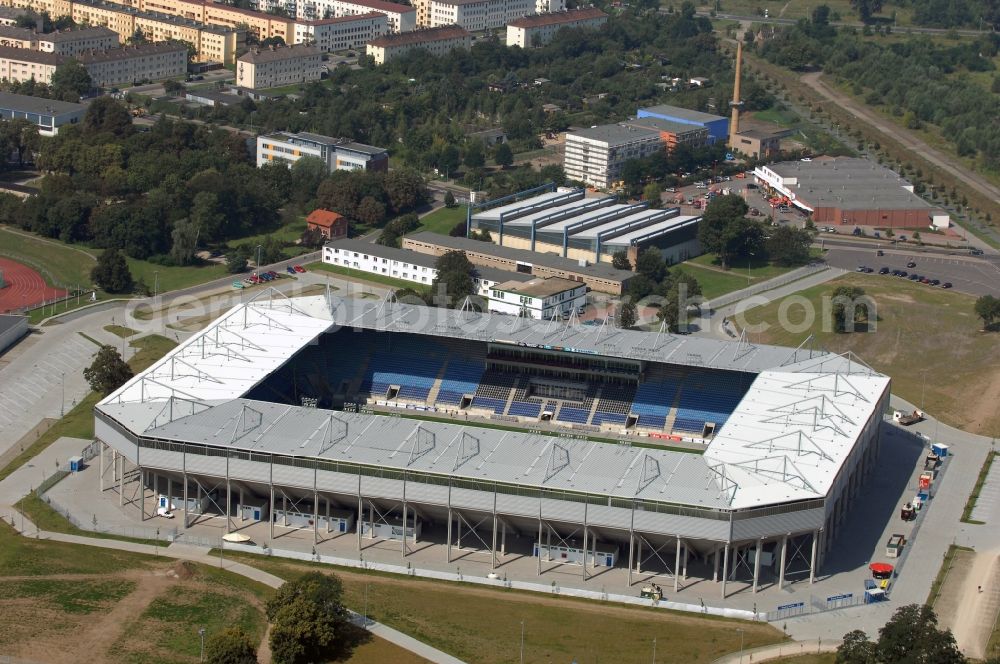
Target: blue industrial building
pixel 718 126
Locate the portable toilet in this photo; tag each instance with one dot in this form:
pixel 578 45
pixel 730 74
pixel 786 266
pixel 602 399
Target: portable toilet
pixel 75 464
pixel 940 449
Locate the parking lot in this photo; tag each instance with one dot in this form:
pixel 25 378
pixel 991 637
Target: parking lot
pixel 966 274
pixel 752 195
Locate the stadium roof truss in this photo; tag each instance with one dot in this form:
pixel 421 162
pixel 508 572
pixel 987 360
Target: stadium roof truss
pixel 785 440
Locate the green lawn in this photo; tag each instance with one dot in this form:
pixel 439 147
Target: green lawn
pixel 453 617
pixel 814 658
pixel 81 596
pixel 287 235
pixel 928 340
pixel 366 276
pixel 120 330
pixel 63 265
pixel 168 278
pixel 79 422
pixel 443 219
pixel 22 556
pixel 715 281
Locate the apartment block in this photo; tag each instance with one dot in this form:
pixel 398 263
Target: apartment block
pixel 438 41
pixel 595 156
pixel 537 30
pixel 341 34
pixel 339 154
pixel 277 66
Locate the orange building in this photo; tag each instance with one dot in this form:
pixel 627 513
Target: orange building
pixel 333 226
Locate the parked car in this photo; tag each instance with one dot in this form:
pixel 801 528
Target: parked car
pixel 290 270
pixel 273 274
pixel 946 284
pixel 935 282
pixel 914 277
pixel 299 268
pixel 975 251
pixel 903 273
pixel 880 253
pixel 884 270
pixel 911 264
pixel 237 284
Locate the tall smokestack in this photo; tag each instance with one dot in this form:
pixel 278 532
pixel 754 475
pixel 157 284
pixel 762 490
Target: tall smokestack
pixel 736 104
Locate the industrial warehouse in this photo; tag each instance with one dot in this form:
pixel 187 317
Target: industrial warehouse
pixel 243 422
pixel 844 191
pixel 573 225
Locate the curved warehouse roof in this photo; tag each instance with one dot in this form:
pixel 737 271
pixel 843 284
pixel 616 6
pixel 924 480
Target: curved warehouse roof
pixel 785 442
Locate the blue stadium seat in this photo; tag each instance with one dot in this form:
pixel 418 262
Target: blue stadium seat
pixel 524 408
pixel 461 377
pixel 574 415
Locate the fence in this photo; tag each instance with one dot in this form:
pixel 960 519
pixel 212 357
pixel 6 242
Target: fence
pixel 770 284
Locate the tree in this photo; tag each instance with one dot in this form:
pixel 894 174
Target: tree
pixel 651 192
pixel 912 635
pixel 111 272
pixel 371 212
pixel 474 157
pixel 70 80
pixel 856 649
pixel 722 227
pixel 449 199
pixel 987 308
pixel 627 314
pixel 619 260
pixel 207 216
pixel 184 242
pixel 503 156
pixel 850 306
pixel 312 238
pixel 172 87
pixel 650 265
pixel 678 292
pixel 236 260
pixel 106 115
pixel 393 232
pixel 309 622
pixel 455 279
pixel 866 8
pixel 230 646
pixel 789 246
pixel 137 38
pixel 108 371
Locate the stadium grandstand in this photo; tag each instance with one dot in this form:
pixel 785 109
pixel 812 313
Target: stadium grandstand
pixel 574 225
pixel 289 397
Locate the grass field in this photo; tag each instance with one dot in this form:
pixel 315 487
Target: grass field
pixel 287 234
pixel 715 281
pixel 79 422
pixel 63 265
pixel 442 220
pixel 168 278
pixel 366 276
pixel 65 602
pixel 120 330
pixel 928 340
pixel 814 658
pixel 483 625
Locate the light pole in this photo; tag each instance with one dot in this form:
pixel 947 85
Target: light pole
pixel 156 282
pixel 741 644
pixel 259 248
pixel 365 617
pixel 654 650
pixel 201 633
pixel 522 622
pixel 62 401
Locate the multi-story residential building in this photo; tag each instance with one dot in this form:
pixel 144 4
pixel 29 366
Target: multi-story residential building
pixel 212 42
pixel 401 18
pixel 47 114
pixel 9 15
pixel 22 64
pixel 339 154
pixel 73 42
pixel 277 66
pixel 596 155
pixel 134 64
pixel 540 298
pixel 432 13
pixel 438 41
pixel 341 34
pixel 531 31
pixel 128 65
pixel 14 37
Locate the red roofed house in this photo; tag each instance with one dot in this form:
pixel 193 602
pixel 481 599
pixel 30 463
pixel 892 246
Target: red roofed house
pixel 332 225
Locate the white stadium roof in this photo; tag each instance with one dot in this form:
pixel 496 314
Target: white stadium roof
pixel 786 440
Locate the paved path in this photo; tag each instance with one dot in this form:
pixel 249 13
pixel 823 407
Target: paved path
pixel 987 507
pixel 777 651
pixel 905 138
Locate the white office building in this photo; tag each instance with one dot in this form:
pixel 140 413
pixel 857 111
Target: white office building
pixel 538 298
pixel 400 17
pixel 479 15
pixel 341 34
pixel 407 265
pixel 595 156
pixel 339 154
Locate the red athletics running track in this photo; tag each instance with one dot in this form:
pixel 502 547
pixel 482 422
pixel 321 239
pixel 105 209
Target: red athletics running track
pixel 25 287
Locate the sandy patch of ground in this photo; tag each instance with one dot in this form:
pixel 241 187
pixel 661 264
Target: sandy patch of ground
pixel 971 613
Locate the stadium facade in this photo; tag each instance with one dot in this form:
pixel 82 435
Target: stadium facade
pixel 239 420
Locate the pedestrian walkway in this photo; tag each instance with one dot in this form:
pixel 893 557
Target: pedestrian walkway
pixel 777 651
pixel 988 503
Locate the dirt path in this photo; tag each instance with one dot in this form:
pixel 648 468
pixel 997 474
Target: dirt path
pixel 905 138
pixel 264 649
pixel 973 620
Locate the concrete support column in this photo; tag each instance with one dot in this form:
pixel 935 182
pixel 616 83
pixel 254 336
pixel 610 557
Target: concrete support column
pixel 781 570
pixel 758 552
pixel 631 546
pixel 120 476
pixel 687 554
pixel 270 517
pixel 725 569
pixel 316 517
pixel 677 564
pixel 638 557
pixel 239 505
pixel 503 538
pixel 812 557
pixel 448 551
pixel 715 563
pixel 100 461
pixel 539 543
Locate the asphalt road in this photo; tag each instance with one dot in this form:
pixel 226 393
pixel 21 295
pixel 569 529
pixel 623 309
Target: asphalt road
pixel 969 275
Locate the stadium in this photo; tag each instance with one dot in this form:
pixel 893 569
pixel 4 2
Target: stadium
pixel 541 439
